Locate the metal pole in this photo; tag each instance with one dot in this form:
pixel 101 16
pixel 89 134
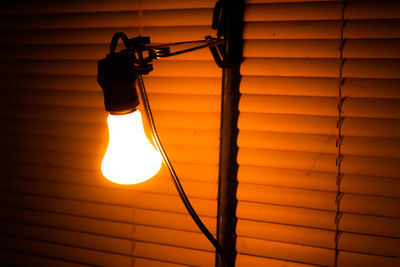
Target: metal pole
pixel 228 167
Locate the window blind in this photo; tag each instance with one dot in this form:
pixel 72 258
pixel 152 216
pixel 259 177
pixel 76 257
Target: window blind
pixel 301 201
pixel 56 207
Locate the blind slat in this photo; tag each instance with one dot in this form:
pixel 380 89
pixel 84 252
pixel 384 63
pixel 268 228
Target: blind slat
pixel 177 255
pixel 364 146
pixel 321 219
pixel 321 11
pixel 171 119
pixel 322 106
pixel 68 216
pixel 322 200
pixel 81 83
pixel 186 68
pixel 163 18
pixel 243 260
pixel 373 48
pixel 82 52
pixel 355 29
pixel 185 103
pixel 284 251
pixel 318 238
pixel 105 196
pixel 307 254
pixel 103 35
pixel 56 251
pixel 98 241
pixel 352 68
pixel 65 156
pixel 50 7
pixel 359 165
pixel 20 259
pixel 187 171
pixel 357 184
pixel 294 123
pixel 69 238
pixel 92 217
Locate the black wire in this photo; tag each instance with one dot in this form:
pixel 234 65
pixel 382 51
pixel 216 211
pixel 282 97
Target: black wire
pixel 175 178
pixel 181 43
pixel 192 49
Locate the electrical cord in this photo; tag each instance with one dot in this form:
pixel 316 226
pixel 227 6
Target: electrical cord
pixel 184 42
pixel 194 48
pixel 175 178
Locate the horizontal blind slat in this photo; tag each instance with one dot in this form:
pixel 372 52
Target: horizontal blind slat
pixel 103 35
pixel 322 106
pixel 100 242
pixel 359 165
pixel 101 195
pixel 355 29
pixel 188 172
pixel 363 146
pixel 81 52
pixel 81 83
pixel 160 18
pixel 176 254
pixel 21 259
pixel 325 68
pixel 140 262
pixel 172 119
pixel 84 256
pixel 315 256
pixel 185 103
pixel 94 218
pixel 142 200
pixel 84 158
pixel 69 238
pixel 318 238
pixel 320 219
pixel 326 181
pixel 164 68
pixel 51 7
pixel 353 259
pixel 285 251
pixel 275 11
pixel 243 260
pixel 367 48
pixel 368 205
pixel 294 123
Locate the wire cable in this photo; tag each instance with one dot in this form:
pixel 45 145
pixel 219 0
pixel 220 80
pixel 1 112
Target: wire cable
pixel 193 48
pixel 183 43
pixel 175 178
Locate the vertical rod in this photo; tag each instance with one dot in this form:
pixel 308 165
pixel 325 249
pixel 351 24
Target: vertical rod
pixel 228 167
pixel 339 139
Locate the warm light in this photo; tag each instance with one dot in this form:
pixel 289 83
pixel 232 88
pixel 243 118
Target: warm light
pixel 130 157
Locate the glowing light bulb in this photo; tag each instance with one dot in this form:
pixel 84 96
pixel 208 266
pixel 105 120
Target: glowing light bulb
pixel 130 158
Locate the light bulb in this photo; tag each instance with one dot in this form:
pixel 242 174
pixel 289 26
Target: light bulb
pixel 130 158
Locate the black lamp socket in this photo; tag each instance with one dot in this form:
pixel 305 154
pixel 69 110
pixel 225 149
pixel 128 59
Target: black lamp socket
pixel 117 77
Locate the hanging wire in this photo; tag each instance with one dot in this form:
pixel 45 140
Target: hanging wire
pixel 186 42
pixel 175 178
pixel 339 138
pixel 208 43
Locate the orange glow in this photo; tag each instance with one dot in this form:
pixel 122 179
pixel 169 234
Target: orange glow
pixel 130 157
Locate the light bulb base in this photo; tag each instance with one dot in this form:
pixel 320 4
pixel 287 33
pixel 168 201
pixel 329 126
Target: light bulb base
pixel 123 112
pixel 117 77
